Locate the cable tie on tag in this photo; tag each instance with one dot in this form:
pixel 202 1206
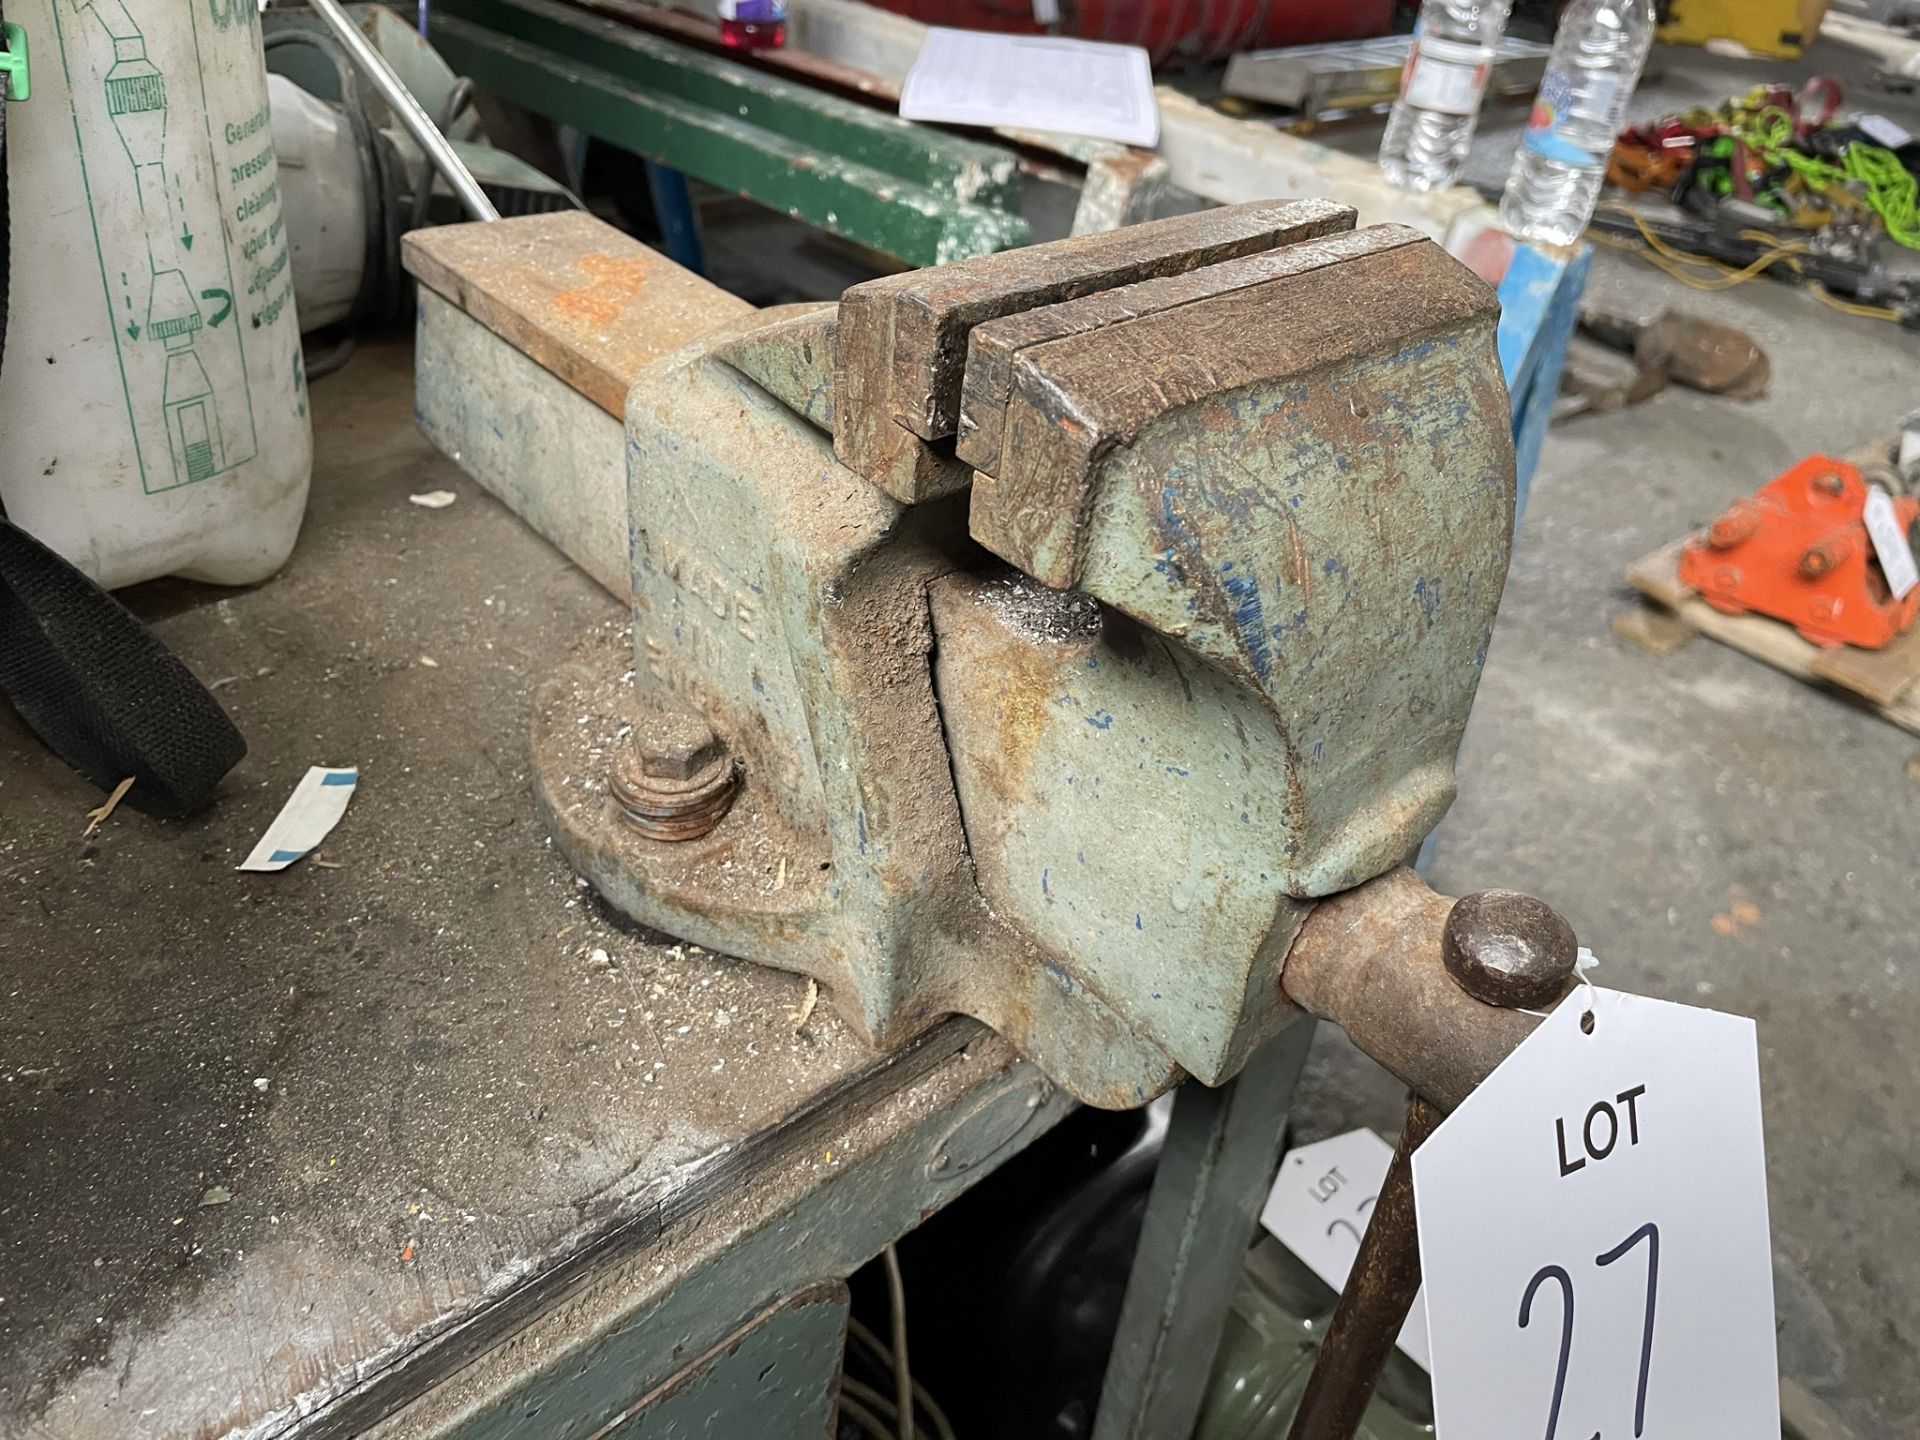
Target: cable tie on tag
pixel 1583 961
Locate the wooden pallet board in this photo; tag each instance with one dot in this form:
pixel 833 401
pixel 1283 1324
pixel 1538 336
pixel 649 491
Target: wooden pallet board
pixel 1887 680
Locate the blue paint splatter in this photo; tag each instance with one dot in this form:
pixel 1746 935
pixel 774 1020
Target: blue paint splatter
pixel 1045 889
pixel 1332 566
pixel 860 828
pixel 1426 593
pixel 1138 924
pixel 1100 720
pixel 1244 592
pixel 1176 770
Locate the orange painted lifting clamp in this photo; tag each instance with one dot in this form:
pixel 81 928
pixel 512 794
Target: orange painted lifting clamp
pixel 1798 550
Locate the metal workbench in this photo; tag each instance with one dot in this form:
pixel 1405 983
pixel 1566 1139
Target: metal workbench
pixel 281 1154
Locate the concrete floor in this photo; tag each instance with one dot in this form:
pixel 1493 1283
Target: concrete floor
pixel 1645 797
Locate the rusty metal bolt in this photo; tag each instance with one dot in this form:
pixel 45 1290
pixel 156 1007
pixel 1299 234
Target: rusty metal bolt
pixel 1829 482
pixel 1508 949
pixel 674 780
pixel 1735 525
pixel 1825 556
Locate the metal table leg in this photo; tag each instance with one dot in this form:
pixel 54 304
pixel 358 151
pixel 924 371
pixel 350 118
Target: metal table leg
pixel 1215 1169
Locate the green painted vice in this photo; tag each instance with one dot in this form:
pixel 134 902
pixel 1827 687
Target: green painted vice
pixel 1037 637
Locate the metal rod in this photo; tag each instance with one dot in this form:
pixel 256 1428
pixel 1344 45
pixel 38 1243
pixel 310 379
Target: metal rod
pixel 441 155
pixel 1374 1304
pixel 1495 948
pixel 1369 959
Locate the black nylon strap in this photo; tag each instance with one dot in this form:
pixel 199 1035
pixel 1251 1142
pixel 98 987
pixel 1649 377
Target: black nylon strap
pixel 91 680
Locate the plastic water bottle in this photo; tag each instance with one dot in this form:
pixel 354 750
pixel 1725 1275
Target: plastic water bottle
pixel 1440 89
pixel 1562 161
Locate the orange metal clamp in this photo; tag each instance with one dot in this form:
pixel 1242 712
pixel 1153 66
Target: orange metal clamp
pixel 1798 550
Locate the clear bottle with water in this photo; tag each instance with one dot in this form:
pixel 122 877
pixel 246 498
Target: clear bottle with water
pixel 1440 89
pixel 1562 161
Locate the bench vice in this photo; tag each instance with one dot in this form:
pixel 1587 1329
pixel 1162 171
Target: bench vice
pixel 1037 637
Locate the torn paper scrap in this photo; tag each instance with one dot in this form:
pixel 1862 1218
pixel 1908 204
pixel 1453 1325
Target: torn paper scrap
pixel 315 807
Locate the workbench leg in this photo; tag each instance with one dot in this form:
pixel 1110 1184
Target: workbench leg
pixel 1216 1167
pixel 673 208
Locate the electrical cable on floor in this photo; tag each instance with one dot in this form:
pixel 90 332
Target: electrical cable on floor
pixel 902 1367
pixel 851 1409
pixel 877 1351
pixel 332 360
pixel 879 1404
pixel 1670 259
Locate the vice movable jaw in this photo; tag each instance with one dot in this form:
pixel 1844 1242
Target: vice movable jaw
pixel 1069 620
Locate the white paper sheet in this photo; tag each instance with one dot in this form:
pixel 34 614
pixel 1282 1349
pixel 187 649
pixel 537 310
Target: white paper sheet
pixel 1037 82
pixel 1318 1209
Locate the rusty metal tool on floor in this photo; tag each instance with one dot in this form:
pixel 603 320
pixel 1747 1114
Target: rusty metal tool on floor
pixel 1071 625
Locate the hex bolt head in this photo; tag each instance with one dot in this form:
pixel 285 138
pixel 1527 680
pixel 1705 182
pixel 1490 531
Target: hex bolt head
pixel 1508 949
pixel 673 779
pixel 673 746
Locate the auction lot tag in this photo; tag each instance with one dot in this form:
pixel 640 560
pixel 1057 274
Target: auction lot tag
pixel 1890 543
pixel 1319 1206
pixel 1593 1234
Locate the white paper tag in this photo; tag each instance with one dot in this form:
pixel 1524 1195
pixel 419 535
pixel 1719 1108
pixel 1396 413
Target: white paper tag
pixel 1882 131
pixel 1445 76
pixel 311 812
pixel 1593 1234
pixel 1318 1208
pixel 1039 82
pixel 1890 543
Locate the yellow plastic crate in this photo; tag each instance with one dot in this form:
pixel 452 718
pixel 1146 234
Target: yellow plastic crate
pixel 1766 27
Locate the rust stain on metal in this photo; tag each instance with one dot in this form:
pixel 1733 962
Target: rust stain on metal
pixel 509 274
pixel 612 284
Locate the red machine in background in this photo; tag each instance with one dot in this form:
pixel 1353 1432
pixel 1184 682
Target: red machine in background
pixel 1167 29
pixel 1798 550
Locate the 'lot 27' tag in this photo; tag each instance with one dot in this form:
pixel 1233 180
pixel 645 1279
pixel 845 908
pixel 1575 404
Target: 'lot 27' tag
pixel 1593 1234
